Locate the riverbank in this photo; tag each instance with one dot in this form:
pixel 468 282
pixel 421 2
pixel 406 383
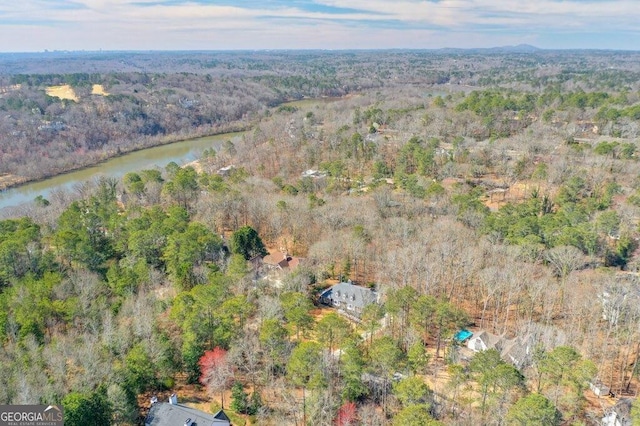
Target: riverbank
pixel 181 153
pixel 9 181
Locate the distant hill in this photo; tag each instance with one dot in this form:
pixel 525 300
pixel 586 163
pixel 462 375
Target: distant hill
pixel 520 48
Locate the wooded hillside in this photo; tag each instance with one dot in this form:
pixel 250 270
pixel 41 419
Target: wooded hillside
pixel 488 192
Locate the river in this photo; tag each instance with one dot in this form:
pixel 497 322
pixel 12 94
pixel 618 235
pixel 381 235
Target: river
pixel 159 156
pixel 181 152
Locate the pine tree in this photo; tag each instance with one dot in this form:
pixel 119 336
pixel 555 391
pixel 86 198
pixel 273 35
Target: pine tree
pixel 239 399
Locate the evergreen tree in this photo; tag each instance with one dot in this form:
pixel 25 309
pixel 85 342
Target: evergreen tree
pixel 532 410
pixel 87 409
pixel 239 399
pixel 247 242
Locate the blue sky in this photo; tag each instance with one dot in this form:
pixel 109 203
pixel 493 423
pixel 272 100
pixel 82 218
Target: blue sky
pixel 36 25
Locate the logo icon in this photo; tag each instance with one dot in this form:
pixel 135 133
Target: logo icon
pixel 31 415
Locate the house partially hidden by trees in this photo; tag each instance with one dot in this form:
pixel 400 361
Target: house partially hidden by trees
pixel 599 388
pixel 349 298
pixel 226 171
pixel 311 173
pixel 280 261
pixel 173 414
pixel 619 414
pixel 618 296
pixel 516 351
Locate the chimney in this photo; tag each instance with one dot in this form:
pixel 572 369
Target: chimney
pixel 188 422
pixel 173 399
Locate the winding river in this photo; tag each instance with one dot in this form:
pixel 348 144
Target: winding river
pixel 159 156
pixel 181 152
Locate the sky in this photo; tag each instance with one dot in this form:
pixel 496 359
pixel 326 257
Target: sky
pixel 38 25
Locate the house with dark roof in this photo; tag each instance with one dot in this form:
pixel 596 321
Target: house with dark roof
pixel 349 298
pixel 173 414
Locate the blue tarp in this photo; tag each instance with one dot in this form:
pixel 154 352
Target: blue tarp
pixel 462 335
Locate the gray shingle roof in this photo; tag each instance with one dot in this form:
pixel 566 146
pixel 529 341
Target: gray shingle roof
pixel 348 294
pixel 516 351
pixel 164 414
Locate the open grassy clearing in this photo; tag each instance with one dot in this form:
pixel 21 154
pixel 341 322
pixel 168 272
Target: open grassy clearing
pixel 63 92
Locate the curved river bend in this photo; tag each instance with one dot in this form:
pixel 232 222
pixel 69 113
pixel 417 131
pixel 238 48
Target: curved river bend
pixel 159 156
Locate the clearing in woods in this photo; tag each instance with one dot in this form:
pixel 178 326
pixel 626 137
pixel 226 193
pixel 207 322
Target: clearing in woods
pixel 63 92
pixel 98 89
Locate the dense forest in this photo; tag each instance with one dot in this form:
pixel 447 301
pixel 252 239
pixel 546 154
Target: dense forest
pixel 151 99
pixel 471 190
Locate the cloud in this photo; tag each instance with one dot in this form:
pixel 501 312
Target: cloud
pixel 137 24
pixel 461 13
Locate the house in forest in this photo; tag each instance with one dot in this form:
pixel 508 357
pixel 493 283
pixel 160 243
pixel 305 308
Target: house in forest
pixel 515 351
pixel 599 389
pixel 349 298
pixel 483 340
pixel 619 296
pixel 52 126
pixel 311 173
pixel 226 171
pixel 173 414
pixel 619 414
pixel 280 261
